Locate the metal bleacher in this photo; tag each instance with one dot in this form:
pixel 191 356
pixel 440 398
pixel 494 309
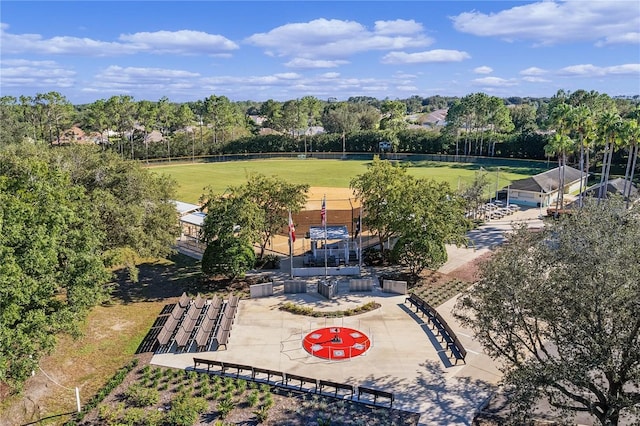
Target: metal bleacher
pixel 205 323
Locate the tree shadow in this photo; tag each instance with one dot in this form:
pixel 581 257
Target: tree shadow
pixel 443 399
pixel 529 170
pixel 157 280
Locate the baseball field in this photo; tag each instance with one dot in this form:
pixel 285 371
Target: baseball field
pixel 193 178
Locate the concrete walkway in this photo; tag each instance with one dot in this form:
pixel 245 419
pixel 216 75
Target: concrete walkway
pixel 406 357
pixel 487 237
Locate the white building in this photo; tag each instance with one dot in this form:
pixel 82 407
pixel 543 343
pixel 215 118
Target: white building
pixel 543 189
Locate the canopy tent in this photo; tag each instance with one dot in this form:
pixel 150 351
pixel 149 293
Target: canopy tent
pixel 317 233
pixel 338 250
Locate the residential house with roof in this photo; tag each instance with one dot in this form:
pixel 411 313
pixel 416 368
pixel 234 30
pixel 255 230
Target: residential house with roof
pixel 543 189
pixel 614 186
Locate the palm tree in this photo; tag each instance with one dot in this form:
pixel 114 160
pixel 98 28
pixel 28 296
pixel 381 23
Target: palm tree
pixel 581 122
pixel 560 145
pixel 631 133
pixel 609 126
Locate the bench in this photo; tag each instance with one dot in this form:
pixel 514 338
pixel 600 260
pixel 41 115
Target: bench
pixel 200 302
pixel 184 300
pixel 268 372
pixel 212 312
pixel 458 351
pixel 303 380
pixel 226 323
pixel 375 393
pixel 336 387
pixel 216 303
pixel 238 367
pixel 177 311
pixel 222 337
pixel 445 332
pixel 209 363
pixel 234 299
pixel 182 337
pixel 203 333
pixel 189 323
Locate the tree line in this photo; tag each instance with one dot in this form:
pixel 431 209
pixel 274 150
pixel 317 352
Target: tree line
pixel 476 124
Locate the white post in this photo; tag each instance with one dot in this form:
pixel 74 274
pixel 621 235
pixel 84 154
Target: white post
pixel 78 399
pixel 497 181
pixel 360 242
pixel 291 243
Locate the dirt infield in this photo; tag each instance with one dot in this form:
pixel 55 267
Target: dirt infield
pixel 337 198
pixel 341 205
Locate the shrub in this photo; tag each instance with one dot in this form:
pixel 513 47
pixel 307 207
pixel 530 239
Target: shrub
pixel 139 396
pixel 253 398
pixel 305 310
pixel 225 406
pixel 261 413
pixel 185 410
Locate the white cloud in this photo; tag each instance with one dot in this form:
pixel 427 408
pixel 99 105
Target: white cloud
pixel 399 26
pixel 630 38
pixel 532 79
pixel 429 56
pixel 132 79
pixel 483 70
pixel 330 75
pixel 336 39
pixel 533 71
pixel 589 70
pixel 494 82
pixel 35 74
pixel 551 22
pixel 407 88
pixel 314 63
pixel 288 76
pixel 401 74
pixel 161 42
pixel 179 42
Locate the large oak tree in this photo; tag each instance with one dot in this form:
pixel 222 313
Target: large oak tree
pixel 51 270
pixel 559 309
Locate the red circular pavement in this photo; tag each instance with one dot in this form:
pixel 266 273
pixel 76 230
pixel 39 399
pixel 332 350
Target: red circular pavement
pixel 336 343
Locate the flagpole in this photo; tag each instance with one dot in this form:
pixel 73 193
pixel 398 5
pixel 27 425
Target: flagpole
pixel 360 242
pixel 324 217
pixel 290 243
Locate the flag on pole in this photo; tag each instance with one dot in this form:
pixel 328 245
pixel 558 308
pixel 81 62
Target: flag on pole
pixel 292 229
pixel 323 211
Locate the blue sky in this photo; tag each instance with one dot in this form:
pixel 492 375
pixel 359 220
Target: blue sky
pixel 285 50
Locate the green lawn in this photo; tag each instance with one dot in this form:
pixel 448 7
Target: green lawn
pixel 193 178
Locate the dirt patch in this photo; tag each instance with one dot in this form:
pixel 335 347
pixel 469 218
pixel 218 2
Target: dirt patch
pixel 470 271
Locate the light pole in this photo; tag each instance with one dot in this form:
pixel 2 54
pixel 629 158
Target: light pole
pixel 343 146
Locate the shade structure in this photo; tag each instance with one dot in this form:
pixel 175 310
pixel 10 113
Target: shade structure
pixel 317 233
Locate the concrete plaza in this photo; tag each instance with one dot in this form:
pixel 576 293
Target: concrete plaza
pixel 405 358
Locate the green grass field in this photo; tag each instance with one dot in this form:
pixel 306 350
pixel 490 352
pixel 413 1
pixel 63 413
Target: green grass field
pixel 194 178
